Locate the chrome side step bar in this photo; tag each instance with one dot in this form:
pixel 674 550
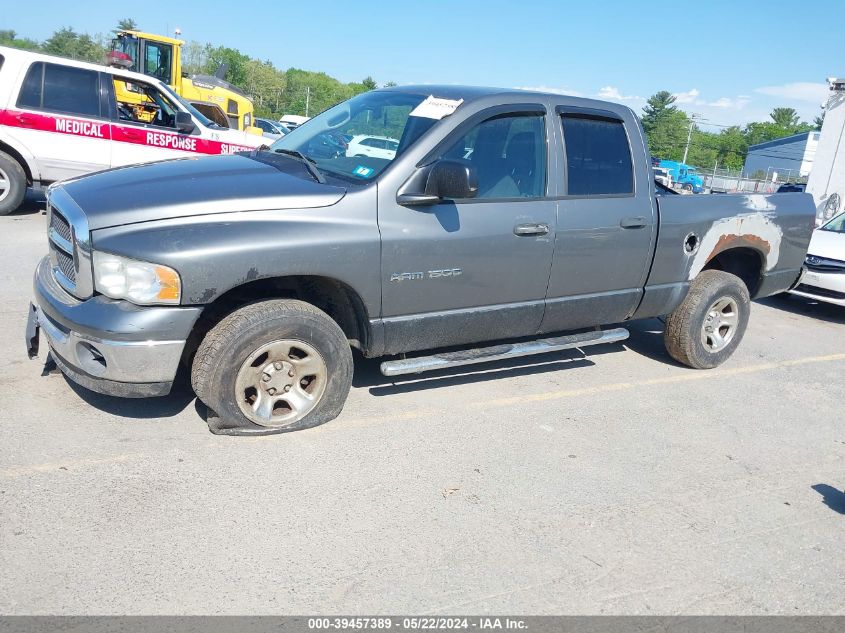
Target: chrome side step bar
pixel 499 352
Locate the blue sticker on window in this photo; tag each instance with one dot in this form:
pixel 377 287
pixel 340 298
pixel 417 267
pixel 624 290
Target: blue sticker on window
pixel 363 172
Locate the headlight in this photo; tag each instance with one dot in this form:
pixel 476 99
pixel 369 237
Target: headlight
pixel 138 282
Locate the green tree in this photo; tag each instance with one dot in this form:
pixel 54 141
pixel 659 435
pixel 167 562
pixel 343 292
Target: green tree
pixel 785 117
pixel 195 57
pixel 68 43
pixel 369 83
pixel 10 38
pixel 126 24
pixel 658 105
pixel 819 120
pixel 732 147
pixel 235 61
pixel 265 85
pixel 762 131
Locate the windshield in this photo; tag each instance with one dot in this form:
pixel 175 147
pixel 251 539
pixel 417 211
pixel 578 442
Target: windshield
pixel 204 120
pixel 359 138
pixel 836 225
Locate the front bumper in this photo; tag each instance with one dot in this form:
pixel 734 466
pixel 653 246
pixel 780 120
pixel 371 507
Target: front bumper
pixel 109 346
pixel 826 287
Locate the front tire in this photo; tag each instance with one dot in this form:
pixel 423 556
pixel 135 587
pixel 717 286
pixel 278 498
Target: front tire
pixel 12 184
pixel 707 327
pixel 273 367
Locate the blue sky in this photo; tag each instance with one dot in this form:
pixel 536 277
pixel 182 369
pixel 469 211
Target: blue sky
pixel 730 61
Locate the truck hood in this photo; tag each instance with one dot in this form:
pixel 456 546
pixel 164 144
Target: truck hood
pixel 827 244
pixel 198 186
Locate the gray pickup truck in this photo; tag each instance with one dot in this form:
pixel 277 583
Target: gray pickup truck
pixel 402 220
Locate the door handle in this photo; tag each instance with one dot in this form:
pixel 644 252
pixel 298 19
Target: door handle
pixel 26 120
pixel 523 230
pixel 632 223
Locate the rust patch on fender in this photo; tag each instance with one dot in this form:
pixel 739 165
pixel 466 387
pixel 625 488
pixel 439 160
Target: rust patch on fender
pixel 732 240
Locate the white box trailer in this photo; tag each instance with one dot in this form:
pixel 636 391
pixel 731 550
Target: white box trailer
pixel 827 179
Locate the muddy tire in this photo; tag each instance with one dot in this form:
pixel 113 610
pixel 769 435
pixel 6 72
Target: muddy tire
pixel 12 184
pixel 707 327
pixel 272 367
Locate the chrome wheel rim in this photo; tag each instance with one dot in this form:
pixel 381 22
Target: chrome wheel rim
pixel 720 324
pixel 280 383
pixel 5 185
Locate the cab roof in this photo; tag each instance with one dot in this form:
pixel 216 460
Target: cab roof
pixel 478 93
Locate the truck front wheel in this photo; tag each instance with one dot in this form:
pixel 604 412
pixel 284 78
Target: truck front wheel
pixel 707 327
pixel 272 367
pixel 12 184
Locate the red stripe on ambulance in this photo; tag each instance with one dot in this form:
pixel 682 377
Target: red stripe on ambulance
pixel 136 135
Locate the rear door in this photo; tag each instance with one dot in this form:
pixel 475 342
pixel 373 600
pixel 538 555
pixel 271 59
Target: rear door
pixel 476 269
pixel 59 117
pixel 606 221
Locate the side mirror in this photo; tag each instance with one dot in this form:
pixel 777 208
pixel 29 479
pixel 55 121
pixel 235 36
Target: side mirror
pixel 452 179
pixel 184 122
pixel 446 179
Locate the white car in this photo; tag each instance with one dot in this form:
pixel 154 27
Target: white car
pixel 373 146
pixel 824 274
pixel 292 121
pixel 61 118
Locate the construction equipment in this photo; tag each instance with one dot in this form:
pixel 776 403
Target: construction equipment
pixel 161 57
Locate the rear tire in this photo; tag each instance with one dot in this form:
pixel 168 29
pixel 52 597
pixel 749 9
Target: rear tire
pixel 708 326
pixel 12 184
pixel 273 367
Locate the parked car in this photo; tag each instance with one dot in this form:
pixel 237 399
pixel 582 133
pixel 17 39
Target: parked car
pixel 293 121
pixel 824 277
pixel 271 129
pixel 794 187
pixel 260 271
pixel 684 176
pixel 373 146
pixel 61 118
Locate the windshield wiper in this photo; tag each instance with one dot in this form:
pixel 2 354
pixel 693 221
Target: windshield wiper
pixel 309 163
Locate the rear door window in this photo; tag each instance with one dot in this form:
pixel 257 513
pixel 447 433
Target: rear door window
pixel 60 88
pixel 32 87
pixel 598 156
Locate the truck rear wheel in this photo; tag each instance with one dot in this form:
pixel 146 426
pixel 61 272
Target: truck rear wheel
pixel 272 367
pixel 12 184
pixel 707 327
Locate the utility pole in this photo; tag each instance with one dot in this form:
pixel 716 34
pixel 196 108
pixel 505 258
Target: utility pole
pixel 693 118
pixel 307 99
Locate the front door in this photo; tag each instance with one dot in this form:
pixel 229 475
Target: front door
pixel 473 270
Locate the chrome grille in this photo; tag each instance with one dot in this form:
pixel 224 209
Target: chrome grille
pixel 61 226
pixel 70 244
pixel 65 264
pixel 61 248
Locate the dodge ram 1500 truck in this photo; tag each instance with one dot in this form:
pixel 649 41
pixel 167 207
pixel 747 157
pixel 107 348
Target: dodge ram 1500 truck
pixel 503 215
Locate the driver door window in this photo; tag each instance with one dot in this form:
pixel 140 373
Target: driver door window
pixel 145 125
pixel 509 155
pixel 143 104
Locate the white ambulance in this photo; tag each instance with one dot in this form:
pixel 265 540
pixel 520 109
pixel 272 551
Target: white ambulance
pixel 61 118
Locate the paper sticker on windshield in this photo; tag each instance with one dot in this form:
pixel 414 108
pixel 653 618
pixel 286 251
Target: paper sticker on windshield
pixel 436 108
pixel 363 172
